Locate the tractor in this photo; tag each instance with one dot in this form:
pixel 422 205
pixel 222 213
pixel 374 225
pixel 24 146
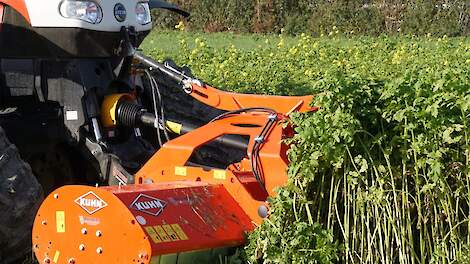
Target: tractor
pixel 109 156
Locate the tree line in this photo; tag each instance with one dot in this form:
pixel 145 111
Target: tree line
pixel 367 17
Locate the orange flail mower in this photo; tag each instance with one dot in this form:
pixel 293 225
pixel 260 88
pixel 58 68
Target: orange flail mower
pixel 175 206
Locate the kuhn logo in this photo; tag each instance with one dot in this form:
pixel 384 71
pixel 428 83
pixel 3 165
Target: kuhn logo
pixel 90 202
pixel 148 204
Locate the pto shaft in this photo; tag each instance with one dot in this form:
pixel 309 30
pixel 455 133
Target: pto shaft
pixel 132 115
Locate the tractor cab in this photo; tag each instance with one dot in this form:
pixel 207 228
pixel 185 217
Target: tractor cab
pixel 73 28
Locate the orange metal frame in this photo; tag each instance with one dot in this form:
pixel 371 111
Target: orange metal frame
pixel 170 162
pixel 234 101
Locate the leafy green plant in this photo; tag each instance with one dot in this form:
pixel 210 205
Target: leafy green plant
pixel 380 174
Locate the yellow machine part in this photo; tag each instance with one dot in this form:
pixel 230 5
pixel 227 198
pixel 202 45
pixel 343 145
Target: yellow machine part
pixel 174 127
pixel 108 108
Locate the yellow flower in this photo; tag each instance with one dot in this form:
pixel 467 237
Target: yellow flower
pixel 397 56
pixel 180 26
pixel 293 51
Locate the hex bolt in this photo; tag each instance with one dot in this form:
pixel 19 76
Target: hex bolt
pixel 98 233
pixel 47 260
pixel 56 196
pixel 99 250
pixel 81 247
pixel 71 261
pixel 44 222
pixel 84 231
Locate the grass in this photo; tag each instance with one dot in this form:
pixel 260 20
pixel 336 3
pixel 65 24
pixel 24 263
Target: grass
pixel 168 41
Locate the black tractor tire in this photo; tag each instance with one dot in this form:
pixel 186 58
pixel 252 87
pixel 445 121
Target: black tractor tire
pixel 20 197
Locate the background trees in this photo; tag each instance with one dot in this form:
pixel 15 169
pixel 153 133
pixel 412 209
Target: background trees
pixel 370 17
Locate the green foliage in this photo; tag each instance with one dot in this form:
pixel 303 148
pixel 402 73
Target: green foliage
pixel 286 240
pixel 380 174
pixel 370 17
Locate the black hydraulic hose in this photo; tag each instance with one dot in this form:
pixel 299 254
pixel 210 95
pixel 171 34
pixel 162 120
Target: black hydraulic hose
pixel 243 110
pixel 162 111
pixel 152 86
pixel 255 160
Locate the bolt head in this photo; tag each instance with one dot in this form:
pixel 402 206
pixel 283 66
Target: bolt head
pixel 84 231
pixel 56 196
pixel 71 261
pixel 98 233
pixel 148 181
pixel 99 250
pixel 47 260
pixel 81 247
pixel 263 211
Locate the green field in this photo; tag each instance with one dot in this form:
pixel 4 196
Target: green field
pixel 165 40
pixel 381 173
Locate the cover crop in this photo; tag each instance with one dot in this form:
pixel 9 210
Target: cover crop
pixel 380 174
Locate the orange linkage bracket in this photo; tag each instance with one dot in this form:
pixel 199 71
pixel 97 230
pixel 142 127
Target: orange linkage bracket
pixel 234 101
pixel 170 163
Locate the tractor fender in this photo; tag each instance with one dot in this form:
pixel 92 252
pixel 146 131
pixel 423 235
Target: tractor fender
pixel 19 6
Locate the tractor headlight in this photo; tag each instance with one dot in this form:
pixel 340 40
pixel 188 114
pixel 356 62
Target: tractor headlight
pixel 88 11
pixel 142 12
